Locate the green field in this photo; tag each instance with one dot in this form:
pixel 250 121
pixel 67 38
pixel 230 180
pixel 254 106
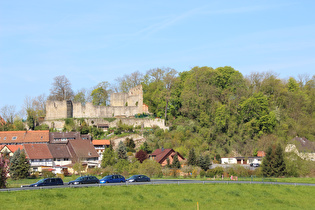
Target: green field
pixel 184 196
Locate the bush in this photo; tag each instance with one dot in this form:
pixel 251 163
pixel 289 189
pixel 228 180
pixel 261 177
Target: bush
pixel 47 174
pixel 35 175
pixel 107 171
pixel 150 168
pixel 202 173
pixel 94 171
pixel 195 173
pixel 61 176
pixel 210 173
pixel 174 172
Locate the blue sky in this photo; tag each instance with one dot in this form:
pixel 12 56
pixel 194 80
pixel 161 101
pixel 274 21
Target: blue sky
pixel 94 41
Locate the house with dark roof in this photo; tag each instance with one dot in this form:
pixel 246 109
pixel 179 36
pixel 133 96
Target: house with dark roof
pixel 162 155
pixel 61 157
pixel 83 151
pixel 24 137
pixel 302 147
pixel 39 156
pixel 64 137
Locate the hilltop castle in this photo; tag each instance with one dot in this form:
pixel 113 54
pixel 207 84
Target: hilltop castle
pixel 121 104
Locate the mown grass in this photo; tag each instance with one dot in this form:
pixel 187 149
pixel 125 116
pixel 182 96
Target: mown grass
pixel 184 196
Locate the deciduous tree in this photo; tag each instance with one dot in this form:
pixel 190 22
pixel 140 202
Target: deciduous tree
pixel 61 89
pixel 108 157
pixel 141 155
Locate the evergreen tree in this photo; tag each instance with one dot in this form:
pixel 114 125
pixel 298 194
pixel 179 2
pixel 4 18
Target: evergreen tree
pixel 176 163
pixel 122 151
pixel 192 157
pixel 3 172
pixel 14 162
pixel 108 157
pixel 200 161
pixel 130 144
pixel 19 165
pixel 23 167
pixel 207 163
pixel 145 147
pixel 267 164
pixel 279 164
pixel 168 163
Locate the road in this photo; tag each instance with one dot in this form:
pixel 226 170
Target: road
pixel 156 181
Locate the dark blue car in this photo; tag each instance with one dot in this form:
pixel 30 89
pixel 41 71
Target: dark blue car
pixel 138 178
pixel 85 180
pixel 48 182
pixel 113 179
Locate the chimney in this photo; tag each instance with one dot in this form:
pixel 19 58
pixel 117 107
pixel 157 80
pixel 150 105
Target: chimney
pixel 162 149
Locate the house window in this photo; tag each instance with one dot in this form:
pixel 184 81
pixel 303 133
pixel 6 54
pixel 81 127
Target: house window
pixel 66 159
pixel 14 138
pixel 5 138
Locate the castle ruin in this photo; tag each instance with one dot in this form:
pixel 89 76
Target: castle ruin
pixel 121 105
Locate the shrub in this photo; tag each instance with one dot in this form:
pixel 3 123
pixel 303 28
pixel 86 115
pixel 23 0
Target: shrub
pixel 210 173
pixel 194 173
pixel 95 171
pixel 61 176
pixel 174 172
pixel 47 174
pixel 202 173
pixel 150 168
pixel 35 175
pixel 107 171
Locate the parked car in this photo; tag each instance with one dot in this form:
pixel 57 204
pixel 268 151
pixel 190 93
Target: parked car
pixel 48 182
pixel 138 178
pixel 112 179
pixel 254 164
pixel 85 180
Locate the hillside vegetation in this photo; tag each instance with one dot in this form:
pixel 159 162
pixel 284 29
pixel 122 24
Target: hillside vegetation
pixel 221 111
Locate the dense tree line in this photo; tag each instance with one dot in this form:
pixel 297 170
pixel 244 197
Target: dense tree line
pixel 219 111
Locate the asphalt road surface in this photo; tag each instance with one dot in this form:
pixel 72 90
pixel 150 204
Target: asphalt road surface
pixel 155 181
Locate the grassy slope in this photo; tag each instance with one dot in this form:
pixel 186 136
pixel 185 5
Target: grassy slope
pixel 185 196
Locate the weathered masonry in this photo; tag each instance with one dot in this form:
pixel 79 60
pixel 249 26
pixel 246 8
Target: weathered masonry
pixel 121 104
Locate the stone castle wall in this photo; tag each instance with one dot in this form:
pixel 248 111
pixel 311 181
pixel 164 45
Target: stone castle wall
pixel 122 104
pixel 59 124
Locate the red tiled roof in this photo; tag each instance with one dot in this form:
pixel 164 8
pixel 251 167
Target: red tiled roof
pixel 1 146
pixel 261 154
pixel 13 148
pixel 101 142
pixel 20 137
pixel 37 151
